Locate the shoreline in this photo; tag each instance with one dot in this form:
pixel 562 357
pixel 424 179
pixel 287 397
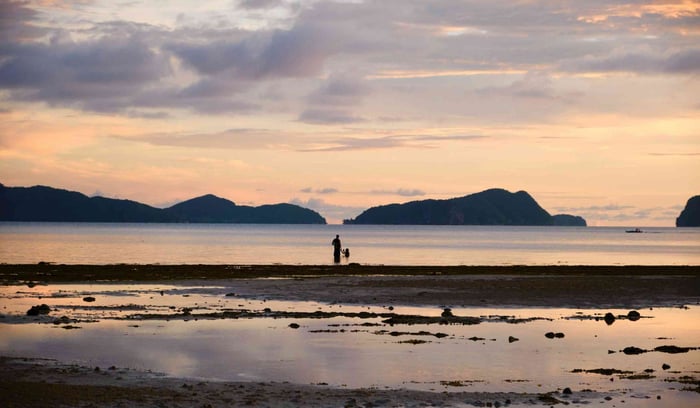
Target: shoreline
pixel 453 286
pixel 38 382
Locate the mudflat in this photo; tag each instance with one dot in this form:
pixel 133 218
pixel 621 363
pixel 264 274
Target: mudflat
pixel 488 286
pixel 37 382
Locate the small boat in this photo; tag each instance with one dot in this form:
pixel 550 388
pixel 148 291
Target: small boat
pixel 634 231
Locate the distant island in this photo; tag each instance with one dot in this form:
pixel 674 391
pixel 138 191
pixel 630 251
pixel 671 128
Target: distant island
pixel 41 203
pixel 690 216
pixel 490 207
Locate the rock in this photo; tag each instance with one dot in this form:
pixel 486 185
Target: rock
pixel 231 294
pixel 633 350
pixel 549 335
pixel 673 349
pixel 633 315
pixel 512 339
pixel 567 391
pixel 609 318
pixel 63 320
pixel 42 309
pixel 447 312
pixel 88 299
pixel 665 366
pixel 559 335
pixel 294 325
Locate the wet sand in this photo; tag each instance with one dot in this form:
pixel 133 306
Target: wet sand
pixel 39 383
pixel 486 286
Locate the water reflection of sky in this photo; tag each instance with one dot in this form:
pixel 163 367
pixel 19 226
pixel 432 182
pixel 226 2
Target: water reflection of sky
pixel 268 349
pixel 87 243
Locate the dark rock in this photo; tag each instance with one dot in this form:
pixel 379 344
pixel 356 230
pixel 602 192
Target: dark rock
pixel 690 216
pixel 39 310
pixel 567 391
pixel 512 339
pixel 559 335
pixel 673 349
pixel 63 320
pixel 633 350
pixel 88 299
pixel 447 312
pixel 665 366
pixel 633 315
pixel 549 335
pixel 294 325
pixel 609 318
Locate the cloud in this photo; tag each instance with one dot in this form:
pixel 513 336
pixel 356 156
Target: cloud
pixel 677 154
pixel 533 86
pixel 297 52
pixel 241 138
pixel 387 142
pixel 15 27
pixel 327 190
pixel 103 74
pixel 685 61
pixel 404 192
pixel 259 4
pixel 333 213
pixel 328 116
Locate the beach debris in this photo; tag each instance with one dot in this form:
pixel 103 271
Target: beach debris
pixel 633 315
pixel 64 320
pixel 665 366
pixel 42 309
pixel 413 341
pixel 601 371
pixel 631 350
pixel 674 349
pixel 552 335
pixel 88 299
pixel 294 325
pixel 512 339
pixel 609 318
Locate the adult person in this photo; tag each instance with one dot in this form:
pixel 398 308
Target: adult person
pixel 336 249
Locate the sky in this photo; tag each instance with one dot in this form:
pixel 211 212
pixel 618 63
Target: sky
pixel 592 107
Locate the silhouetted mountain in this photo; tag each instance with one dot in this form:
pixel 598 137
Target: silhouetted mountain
pixel 42 203
pixel 690 216
pixel 210 208
pixel 566 220
pixel 490 207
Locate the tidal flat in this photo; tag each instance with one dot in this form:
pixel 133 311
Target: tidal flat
pixel 432 337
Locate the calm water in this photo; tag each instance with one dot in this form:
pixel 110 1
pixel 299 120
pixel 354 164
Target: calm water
pixel 311 244
pixel 345 351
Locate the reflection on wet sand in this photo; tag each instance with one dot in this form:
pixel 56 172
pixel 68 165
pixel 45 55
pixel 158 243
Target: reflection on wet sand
pixel 209 332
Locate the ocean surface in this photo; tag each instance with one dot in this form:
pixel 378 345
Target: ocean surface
pixel 94 243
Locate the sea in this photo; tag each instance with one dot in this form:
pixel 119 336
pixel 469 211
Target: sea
pixel 257 244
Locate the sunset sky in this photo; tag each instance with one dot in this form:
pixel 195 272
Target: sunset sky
pixel 593 107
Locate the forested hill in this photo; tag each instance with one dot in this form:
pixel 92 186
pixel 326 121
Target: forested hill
pixel 490 207
pixel 690 216
pixel 42 203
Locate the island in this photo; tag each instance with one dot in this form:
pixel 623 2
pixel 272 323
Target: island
pixel 42 203
pixel 690 216
pixel 490 207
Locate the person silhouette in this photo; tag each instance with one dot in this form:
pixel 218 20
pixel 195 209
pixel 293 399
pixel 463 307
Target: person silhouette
pixel 336 249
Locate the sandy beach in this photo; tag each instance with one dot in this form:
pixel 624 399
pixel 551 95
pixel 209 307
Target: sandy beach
pixel 37 382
